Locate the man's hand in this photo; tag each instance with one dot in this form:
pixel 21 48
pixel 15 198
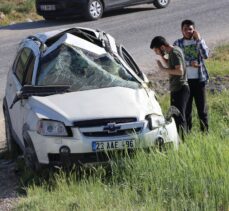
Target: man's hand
pixel 161 67
pixel 158 51
pixel 195 64
pixel 196 35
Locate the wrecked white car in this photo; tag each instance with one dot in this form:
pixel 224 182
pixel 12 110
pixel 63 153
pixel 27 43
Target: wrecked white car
pixel 76 94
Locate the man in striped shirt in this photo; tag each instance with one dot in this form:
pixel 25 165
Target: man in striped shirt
pixel 195 51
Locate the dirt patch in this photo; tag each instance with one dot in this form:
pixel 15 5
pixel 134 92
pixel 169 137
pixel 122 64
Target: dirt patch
pixel 8 184
pixel 216 84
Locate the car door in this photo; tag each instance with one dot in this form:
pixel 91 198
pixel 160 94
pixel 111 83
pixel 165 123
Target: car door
pixel 142 1
pixel 20 74
pixel 117 3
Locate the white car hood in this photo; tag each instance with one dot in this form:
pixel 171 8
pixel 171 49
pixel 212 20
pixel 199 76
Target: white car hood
pixel 115 102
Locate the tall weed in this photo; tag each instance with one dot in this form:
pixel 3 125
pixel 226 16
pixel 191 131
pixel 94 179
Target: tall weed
pixel 196 177
pixel 26 7
pixel 6 8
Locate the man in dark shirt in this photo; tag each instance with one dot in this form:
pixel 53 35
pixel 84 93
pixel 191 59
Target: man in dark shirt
pixel 177 77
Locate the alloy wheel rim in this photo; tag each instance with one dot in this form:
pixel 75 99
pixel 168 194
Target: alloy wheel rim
pixel 163 2
pixel 95 9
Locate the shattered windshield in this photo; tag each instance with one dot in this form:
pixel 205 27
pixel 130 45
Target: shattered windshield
pixel 83 70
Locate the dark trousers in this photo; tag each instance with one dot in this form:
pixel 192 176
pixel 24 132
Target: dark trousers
pixel 198 93
pixel 179 99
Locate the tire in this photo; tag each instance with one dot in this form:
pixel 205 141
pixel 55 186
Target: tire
pixel 12 147
pixel 161 3
pixel 31 160
pixel 94 10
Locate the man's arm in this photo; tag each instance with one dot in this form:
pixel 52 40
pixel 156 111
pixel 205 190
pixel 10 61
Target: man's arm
pixel 203 48
pixel 177 71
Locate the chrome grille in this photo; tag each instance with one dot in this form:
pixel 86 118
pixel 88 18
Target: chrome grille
pixel 113 129
pixel 102 122
pixel 118 133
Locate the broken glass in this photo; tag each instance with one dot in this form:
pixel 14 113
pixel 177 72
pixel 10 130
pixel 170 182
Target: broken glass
pixel 83 70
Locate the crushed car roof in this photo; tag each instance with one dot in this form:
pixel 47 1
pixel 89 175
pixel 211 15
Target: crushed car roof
pixel 44 37
pixel 76 41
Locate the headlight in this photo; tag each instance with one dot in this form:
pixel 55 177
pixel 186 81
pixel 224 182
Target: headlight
pixel 155 121
pixel 51 128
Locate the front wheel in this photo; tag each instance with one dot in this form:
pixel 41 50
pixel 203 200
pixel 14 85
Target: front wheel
pixel 161 3
pixel 31 160
pixel 94 10
pixel 13 148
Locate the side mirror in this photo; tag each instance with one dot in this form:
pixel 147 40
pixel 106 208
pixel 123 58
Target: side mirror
pixel 17 97
pixel 173 111
pixel 20 95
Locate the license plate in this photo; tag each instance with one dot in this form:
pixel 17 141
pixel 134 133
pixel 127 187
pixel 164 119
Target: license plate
pixel 48 7
pixel 112 145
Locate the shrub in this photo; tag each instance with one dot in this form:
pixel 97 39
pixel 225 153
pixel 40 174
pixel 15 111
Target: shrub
pixel 26 7
pixel 6 8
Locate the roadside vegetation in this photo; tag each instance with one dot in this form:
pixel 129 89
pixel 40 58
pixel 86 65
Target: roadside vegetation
pixel 17 11
pixel 218 65
pixel 196 177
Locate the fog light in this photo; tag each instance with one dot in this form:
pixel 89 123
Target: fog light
pixel 64 150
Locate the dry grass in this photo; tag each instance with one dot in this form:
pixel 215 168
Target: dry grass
pixel 218 64
pixel 18 11
pixel 221 53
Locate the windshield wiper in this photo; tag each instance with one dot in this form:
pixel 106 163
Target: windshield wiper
pixel 29 90
pixel 44 90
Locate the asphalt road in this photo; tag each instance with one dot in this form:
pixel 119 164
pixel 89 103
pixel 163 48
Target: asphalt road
pixel 133 27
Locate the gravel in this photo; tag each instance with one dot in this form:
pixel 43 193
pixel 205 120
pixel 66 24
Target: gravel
pixel 9 181
pixel 216 84
pixel 8 185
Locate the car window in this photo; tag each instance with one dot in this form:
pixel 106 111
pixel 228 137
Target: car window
pixel 83 70
pixel 16 60
pixel 29 73
pixel 129 60
pixel 21 64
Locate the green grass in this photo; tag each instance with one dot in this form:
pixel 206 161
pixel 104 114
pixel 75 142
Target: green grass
pixel 26 7
pixel 218 64
pixel 6 8
pixel 18 11
pixel 22 6
pixel 196 177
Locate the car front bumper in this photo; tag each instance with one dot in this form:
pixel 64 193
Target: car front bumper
pixel 48 148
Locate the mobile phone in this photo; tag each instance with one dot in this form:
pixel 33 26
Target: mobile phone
pixel 193 35
pixel 162 52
